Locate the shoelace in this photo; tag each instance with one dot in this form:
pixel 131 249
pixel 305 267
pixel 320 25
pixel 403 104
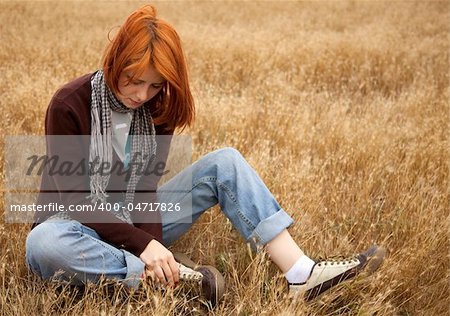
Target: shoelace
pixel 338 262
pixel 187 274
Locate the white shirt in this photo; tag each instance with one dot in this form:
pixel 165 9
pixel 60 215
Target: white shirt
pixel 121 123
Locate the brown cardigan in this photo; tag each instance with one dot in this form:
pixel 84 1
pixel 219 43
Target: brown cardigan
pixel 69 114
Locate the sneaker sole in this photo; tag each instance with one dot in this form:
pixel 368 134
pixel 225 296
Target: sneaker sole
pixel 213 284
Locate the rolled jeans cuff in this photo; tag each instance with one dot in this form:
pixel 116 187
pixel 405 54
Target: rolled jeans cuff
pixel 268 229
pixel 135 268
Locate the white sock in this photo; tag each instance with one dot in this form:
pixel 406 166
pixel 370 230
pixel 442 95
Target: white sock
pixel 300 271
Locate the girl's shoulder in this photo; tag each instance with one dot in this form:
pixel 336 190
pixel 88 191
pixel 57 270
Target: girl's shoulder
pixel 69 109
pixel 77 90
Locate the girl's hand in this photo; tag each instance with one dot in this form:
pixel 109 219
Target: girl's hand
pixel 160 263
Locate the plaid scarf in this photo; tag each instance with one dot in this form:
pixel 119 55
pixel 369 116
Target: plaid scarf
pixel 143 142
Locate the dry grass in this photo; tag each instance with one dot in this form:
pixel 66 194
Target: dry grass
pixel 342 108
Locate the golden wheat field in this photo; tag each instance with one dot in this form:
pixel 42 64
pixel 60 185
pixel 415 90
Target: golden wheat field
pixel 342 107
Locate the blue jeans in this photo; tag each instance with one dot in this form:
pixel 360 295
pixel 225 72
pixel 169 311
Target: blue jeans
pixel 66 250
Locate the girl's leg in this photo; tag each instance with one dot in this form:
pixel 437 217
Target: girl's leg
pixel 224 177
pixel 284 251
pixel 66 250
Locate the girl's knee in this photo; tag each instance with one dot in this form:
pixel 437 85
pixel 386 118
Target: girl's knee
pixel 44 245
pixel 223 163
pixel 226 156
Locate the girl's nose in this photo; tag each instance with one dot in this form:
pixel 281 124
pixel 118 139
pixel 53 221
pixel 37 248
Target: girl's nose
pixel 143 94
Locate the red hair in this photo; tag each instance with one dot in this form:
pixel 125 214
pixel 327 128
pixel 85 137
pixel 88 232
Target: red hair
pixel 146 40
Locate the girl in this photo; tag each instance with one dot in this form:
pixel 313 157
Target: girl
pixel 142 91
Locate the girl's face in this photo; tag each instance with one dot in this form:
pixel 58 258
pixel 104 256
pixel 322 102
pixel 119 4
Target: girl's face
pixel 135 93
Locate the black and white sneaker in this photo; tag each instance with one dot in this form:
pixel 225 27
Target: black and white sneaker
pixel 211 281
pixel 326 274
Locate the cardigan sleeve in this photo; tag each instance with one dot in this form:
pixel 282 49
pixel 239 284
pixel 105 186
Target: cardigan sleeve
pixel 63 119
